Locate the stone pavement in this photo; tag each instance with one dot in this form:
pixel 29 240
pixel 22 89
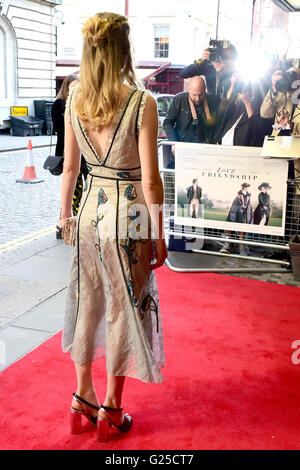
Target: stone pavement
pixel 32 296
pixel 26 208
pixel 9 142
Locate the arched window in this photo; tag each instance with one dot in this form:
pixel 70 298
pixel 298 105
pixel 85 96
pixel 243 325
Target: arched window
pixel 8 68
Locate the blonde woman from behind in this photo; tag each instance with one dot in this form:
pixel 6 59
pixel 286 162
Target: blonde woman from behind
pixel 112 305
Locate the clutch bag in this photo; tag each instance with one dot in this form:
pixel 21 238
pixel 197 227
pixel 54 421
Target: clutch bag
pixel 54 164
pixel 68 230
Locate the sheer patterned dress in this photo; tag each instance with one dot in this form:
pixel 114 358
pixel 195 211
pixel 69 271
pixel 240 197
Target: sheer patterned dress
pixel 112 305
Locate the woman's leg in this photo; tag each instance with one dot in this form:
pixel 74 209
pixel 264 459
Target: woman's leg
pixel 85 387
pixel 113 397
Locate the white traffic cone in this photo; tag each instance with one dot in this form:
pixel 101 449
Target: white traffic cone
pixel 29 172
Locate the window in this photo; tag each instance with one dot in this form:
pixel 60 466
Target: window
pixel 161 41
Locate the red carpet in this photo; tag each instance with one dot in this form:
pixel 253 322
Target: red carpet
pixel 229 380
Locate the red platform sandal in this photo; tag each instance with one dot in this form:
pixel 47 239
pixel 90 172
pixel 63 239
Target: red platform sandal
pixel 75 415
pixel 104 423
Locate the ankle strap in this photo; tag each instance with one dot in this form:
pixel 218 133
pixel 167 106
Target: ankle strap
pixel 85 402
pixel 107 408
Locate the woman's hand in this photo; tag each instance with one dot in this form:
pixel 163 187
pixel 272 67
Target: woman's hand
pixel 205 55
pixel 62 221
pixel 234 78
pixel 284 119
pixel 245 97
pixel 161 253
pixel 277 75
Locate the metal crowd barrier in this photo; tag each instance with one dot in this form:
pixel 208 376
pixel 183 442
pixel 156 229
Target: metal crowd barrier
pixel 260 241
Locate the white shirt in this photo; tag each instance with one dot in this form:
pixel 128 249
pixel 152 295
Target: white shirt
pixel 228 137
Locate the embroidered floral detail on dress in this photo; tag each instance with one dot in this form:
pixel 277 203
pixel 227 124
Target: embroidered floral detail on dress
pixel 129 247
pixel 94 223
pixel 123 174
pixel 130 192
pixel 102 198
pixel 149 303
pixel 89 168
pixel 134 226
pixel 130 291
pixel 131 240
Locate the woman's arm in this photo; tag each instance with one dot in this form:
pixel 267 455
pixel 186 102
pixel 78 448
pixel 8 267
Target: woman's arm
pixel 70 172
pixel 151 180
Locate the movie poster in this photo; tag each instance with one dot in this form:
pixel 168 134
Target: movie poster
pixel 230 188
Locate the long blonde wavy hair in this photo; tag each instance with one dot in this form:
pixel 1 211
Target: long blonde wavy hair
pixel 106 64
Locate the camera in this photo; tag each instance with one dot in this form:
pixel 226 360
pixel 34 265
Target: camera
pixel 216 49
pixel 242 86
pixel 284 84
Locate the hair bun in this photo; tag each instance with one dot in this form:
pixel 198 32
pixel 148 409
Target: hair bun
pixel 100 26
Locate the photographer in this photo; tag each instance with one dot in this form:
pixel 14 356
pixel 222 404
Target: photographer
pixel 217 65
pixel 239 121
pixel 282 102
pixel 278 103
pixel 191 115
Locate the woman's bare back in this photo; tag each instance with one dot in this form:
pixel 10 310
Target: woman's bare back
pixel 99 139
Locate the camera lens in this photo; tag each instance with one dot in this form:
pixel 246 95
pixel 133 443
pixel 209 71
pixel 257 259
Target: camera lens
pixel 283 85
pixel 213 57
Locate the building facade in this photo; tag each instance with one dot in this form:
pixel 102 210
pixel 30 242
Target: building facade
pixel 27 53
pixel 171 32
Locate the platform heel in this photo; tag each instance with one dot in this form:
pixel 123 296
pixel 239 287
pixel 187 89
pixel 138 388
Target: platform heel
pixel 103 424
pixel 76 415
pixel 102 429
pixel 75 421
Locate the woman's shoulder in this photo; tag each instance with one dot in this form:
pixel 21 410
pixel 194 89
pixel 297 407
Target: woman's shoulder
pixel 145 105
pixel 70 102
pixel 139 94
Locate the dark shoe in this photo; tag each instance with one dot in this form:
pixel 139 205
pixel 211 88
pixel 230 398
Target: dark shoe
pixel 227 248
pixel 282 255
pixel 59 232
pixel 75 415
pixel 104 423
pixel 244 250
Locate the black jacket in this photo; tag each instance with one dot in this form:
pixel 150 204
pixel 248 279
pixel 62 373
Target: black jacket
pixel 178 123
pixel 263 208
pixel 217 84
pixel 57 114
pixel 241 209
pixel 190 193
pixel 58 119
pixel 249 131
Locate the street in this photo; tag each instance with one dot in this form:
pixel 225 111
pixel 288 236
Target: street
pixel 27 208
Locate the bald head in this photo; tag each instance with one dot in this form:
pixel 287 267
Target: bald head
pixel 196 89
